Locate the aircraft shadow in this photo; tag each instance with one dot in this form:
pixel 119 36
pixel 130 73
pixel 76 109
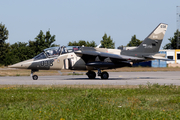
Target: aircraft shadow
pixel 135 78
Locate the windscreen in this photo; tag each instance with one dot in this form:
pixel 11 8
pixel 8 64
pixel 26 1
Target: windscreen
pixel 40 56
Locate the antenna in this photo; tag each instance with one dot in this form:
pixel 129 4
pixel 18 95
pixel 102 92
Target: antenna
pixel 178 25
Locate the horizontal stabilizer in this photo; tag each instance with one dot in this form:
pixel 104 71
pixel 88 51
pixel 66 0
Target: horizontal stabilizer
pixel 159 58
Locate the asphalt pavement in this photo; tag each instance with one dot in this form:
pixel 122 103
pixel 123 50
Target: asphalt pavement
pixel 115 78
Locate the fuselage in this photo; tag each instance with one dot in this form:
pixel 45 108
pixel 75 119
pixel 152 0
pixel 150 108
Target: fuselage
pixel 46 61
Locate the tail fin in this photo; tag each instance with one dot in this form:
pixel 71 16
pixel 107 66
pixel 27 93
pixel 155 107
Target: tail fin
pixel 151 43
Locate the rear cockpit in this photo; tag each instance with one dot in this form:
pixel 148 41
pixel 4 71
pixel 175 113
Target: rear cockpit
pixel 69 49
pixel 56 51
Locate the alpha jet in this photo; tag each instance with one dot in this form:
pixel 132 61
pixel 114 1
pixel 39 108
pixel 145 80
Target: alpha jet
pixel 89 58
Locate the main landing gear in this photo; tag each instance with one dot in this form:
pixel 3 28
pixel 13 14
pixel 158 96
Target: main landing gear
pixel 92 74
pixel 34 77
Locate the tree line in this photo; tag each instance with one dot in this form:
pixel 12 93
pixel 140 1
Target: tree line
pixel 20 51
pixel 106 42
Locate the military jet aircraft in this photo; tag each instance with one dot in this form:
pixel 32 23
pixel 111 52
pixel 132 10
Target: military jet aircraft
pixel 89 58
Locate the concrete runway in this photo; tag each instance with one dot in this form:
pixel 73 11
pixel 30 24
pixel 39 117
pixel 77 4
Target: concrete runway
pixel 116 78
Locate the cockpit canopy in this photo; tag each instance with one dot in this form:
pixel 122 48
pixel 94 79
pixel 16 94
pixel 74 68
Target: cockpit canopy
pixel 53 51
pixel 69 49
pixel 56 51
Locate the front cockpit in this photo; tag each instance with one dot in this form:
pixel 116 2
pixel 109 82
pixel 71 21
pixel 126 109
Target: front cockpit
pixel 56 51
pixel 52 52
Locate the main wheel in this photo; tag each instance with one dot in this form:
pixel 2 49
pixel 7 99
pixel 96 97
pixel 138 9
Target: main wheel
pixel 104 75
pixel 35 77
pixel 91 74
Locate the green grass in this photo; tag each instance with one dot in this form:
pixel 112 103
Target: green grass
pixel 84 103
pixel 17 74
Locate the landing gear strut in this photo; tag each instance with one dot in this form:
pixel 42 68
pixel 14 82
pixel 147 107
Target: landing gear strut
pixel 34 77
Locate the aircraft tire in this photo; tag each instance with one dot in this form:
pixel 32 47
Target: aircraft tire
pixel 35 77
pixel 91 75
pixel 104 75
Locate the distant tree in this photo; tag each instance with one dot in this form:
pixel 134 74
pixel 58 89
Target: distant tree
pixel 83 42
pixel 134 41
pixel 107 42
pixel 173 41
pixel 4 47
pixel 42 42
pixel 32 48
pixel 91 44
pixel 5 57
pixel 73 43
pixel 49 39
pixel 20 51
pixel 3 34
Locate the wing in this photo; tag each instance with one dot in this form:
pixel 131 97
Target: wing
pixel 89 54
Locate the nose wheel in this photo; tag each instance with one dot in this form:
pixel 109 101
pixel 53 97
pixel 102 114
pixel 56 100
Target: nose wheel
pixel 34 77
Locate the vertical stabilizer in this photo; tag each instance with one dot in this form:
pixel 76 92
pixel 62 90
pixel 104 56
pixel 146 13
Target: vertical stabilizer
pixel 151 43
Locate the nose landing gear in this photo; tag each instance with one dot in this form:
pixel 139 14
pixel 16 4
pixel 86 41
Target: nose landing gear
pixel 34 77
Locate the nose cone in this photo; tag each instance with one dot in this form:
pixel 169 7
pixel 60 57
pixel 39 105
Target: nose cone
pixel 17 65
pixel 22 65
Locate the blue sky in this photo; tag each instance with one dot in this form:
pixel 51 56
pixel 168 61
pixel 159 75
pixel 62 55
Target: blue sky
pixel 74 20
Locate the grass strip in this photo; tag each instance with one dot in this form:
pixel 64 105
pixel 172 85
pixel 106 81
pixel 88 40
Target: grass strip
pixel 25 72
pixel 151 101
